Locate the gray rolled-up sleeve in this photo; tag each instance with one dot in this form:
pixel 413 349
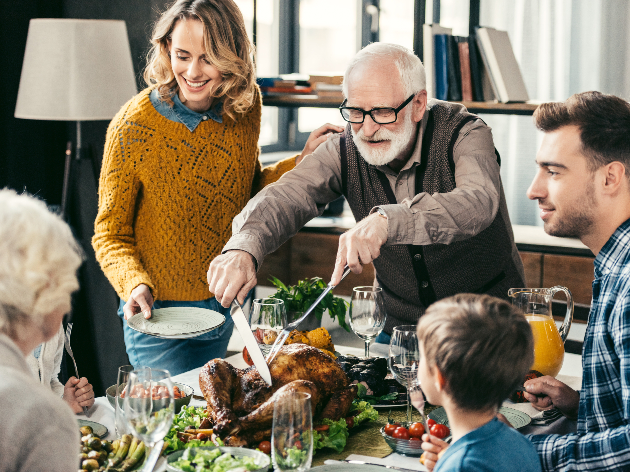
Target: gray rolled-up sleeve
pixel 281 209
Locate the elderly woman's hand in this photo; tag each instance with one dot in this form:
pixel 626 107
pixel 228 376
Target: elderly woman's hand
pixel 140 300
pixel 317 137
pixel 78 393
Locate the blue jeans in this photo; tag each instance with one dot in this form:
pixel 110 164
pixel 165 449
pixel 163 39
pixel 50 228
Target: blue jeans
pixel 178 355
pixel 383 338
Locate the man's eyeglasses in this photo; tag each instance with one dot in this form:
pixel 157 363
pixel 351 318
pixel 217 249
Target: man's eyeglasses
pixel 382 116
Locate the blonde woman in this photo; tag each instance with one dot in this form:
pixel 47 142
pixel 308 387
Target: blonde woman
pixel 181 161
pixel 38 263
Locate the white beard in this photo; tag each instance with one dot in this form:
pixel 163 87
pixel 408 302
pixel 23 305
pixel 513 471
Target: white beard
pixel 398 142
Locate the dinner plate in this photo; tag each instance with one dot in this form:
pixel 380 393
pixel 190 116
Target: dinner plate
pixel 177 322
pixel 97 428
pixel 517 418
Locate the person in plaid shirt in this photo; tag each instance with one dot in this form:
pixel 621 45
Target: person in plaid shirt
pixel 583 191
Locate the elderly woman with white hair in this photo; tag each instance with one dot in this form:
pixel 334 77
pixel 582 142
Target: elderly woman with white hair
pixel 38 263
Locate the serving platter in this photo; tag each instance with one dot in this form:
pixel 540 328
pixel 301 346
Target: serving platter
pixel 177 322
pixel 346 466
pixel 517 418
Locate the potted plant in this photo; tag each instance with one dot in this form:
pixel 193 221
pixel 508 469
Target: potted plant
pixel 298 298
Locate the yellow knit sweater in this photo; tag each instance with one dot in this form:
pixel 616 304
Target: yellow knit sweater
pixel 167 197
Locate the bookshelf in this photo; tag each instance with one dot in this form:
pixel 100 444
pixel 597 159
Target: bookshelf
pixel 492 107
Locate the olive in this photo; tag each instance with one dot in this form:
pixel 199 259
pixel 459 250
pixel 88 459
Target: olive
pixel 102 456
pixel 345 366
pixel 83 456
pixel 85 430
pixel 380 363
pixel 85 449
pixel 361 365
pixel 107 446
pixel 354 373
pixel 90 464
pixel 94 443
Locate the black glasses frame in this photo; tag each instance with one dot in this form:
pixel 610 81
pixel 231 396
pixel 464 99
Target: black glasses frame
pixel 369 112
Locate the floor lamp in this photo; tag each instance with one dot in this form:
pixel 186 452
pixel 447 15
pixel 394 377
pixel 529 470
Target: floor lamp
pixel 75 70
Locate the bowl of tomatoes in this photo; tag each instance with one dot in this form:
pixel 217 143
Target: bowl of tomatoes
pixel 406 439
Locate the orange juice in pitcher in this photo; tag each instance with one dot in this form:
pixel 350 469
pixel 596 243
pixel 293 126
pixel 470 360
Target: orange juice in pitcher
pixel 548 345
pixel 548 339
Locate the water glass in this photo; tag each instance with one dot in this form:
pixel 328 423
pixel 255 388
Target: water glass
pixel 404 358
pixel 367 314
pixel 120 422
pixel 292 433
pixel 267 318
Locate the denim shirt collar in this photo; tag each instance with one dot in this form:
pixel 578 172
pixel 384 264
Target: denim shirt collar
pixel 180 113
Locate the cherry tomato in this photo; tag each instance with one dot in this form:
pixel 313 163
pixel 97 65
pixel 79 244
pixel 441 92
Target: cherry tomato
pixel 430 422
pixel 321 427
pixel 401 433
pixel 416 430
pixel 440 431
pixel 248 359
pixel 390 428
pixel 417 441
pixel 259 334
pixel 298 445
pixel 265 446
pixel 202 436
pixel 350 422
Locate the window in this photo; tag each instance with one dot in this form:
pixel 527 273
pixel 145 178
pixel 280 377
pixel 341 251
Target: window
pixel 396 22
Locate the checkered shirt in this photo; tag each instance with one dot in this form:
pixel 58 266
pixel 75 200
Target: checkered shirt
pixel 602 441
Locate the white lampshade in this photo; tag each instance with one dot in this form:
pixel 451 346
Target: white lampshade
pixel 75 70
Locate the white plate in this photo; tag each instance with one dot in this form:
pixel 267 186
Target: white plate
pixel 177 322
pixel 98 429
pixel 517 418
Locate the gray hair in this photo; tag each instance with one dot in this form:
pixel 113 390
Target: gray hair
pixel 412 74
pixel 39 258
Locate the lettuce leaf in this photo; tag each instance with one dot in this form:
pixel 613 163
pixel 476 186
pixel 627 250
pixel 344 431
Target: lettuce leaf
pixel 363 411
pixel 374 400
pixel 335 438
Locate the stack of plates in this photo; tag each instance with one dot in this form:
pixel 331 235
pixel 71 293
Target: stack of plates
pixel 177 323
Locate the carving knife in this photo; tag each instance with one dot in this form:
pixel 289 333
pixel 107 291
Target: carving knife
pixel 240 321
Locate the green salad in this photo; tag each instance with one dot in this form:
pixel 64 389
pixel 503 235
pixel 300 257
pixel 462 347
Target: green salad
pixel 213 460
pixel 336 435
pixel 188 416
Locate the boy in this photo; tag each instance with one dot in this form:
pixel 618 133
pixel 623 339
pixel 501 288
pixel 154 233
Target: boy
pixel 475 350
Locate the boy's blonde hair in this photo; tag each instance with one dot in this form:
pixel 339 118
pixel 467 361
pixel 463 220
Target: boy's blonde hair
pixel 483 346
pixel 227 48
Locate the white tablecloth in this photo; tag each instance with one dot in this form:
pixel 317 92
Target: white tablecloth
pixel 103 413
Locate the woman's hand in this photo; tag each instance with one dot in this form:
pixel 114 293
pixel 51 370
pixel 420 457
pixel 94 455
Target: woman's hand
pixel 433 449
pixel 140 300
pixel 316 138
pixel 78 393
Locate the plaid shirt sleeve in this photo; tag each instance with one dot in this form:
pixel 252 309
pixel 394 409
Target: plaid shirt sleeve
pixel 602 441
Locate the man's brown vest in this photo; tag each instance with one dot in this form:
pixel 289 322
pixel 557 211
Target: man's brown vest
pixel 413 277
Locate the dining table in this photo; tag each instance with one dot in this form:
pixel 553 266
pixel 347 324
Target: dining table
pixel 103 413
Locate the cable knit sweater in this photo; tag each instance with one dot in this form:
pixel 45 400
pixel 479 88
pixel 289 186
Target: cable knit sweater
pixel 167 197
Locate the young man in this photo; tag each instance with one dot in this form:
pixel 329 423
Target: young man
pixel 475 350
pixel 583 191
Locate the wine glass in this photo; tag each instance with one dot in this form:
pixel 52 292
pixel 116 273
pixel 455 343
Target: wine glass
pixel 404 358
pixel 267 317
pixel 292 433
pixel 367 314
pixel 120 423
pixel 149 409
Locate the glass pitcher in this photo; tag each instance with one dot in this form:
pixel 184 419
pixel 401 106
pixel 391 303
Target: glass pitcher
pixel 548 340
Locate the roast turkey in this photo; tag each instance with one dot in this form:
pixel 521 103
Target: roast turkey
pixel 240 403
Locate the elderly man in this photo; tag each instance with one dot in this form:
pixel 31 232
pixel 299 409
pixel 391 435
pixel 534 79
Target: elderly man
pixel 583 191
pixel 422 180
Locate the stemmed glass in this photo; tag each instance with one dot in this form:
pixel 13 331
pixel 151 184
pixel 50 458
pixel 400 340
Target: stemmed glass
pixel 149 409
pixel 404 357
pixel 292 433
pixel 120 422
pixel 267 317
pixel 367 314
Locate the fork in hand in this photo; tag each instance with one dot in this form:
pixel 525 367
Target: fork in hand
pixel 417 400
pixel 66 342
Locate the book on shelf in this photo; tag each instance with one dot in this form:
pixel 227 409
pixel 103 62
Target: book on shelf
pixel 441 66
pixel 498 57
pixel 464 68
pixel 335 79
pixel 476 70
pixel 428 48
pixel 454 85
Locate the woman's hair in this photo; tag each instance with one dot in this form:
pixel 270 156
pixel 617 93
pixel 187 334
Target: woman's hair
pixel 412 73
pixel 39 258
pixel 226 45
pixel 482 345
